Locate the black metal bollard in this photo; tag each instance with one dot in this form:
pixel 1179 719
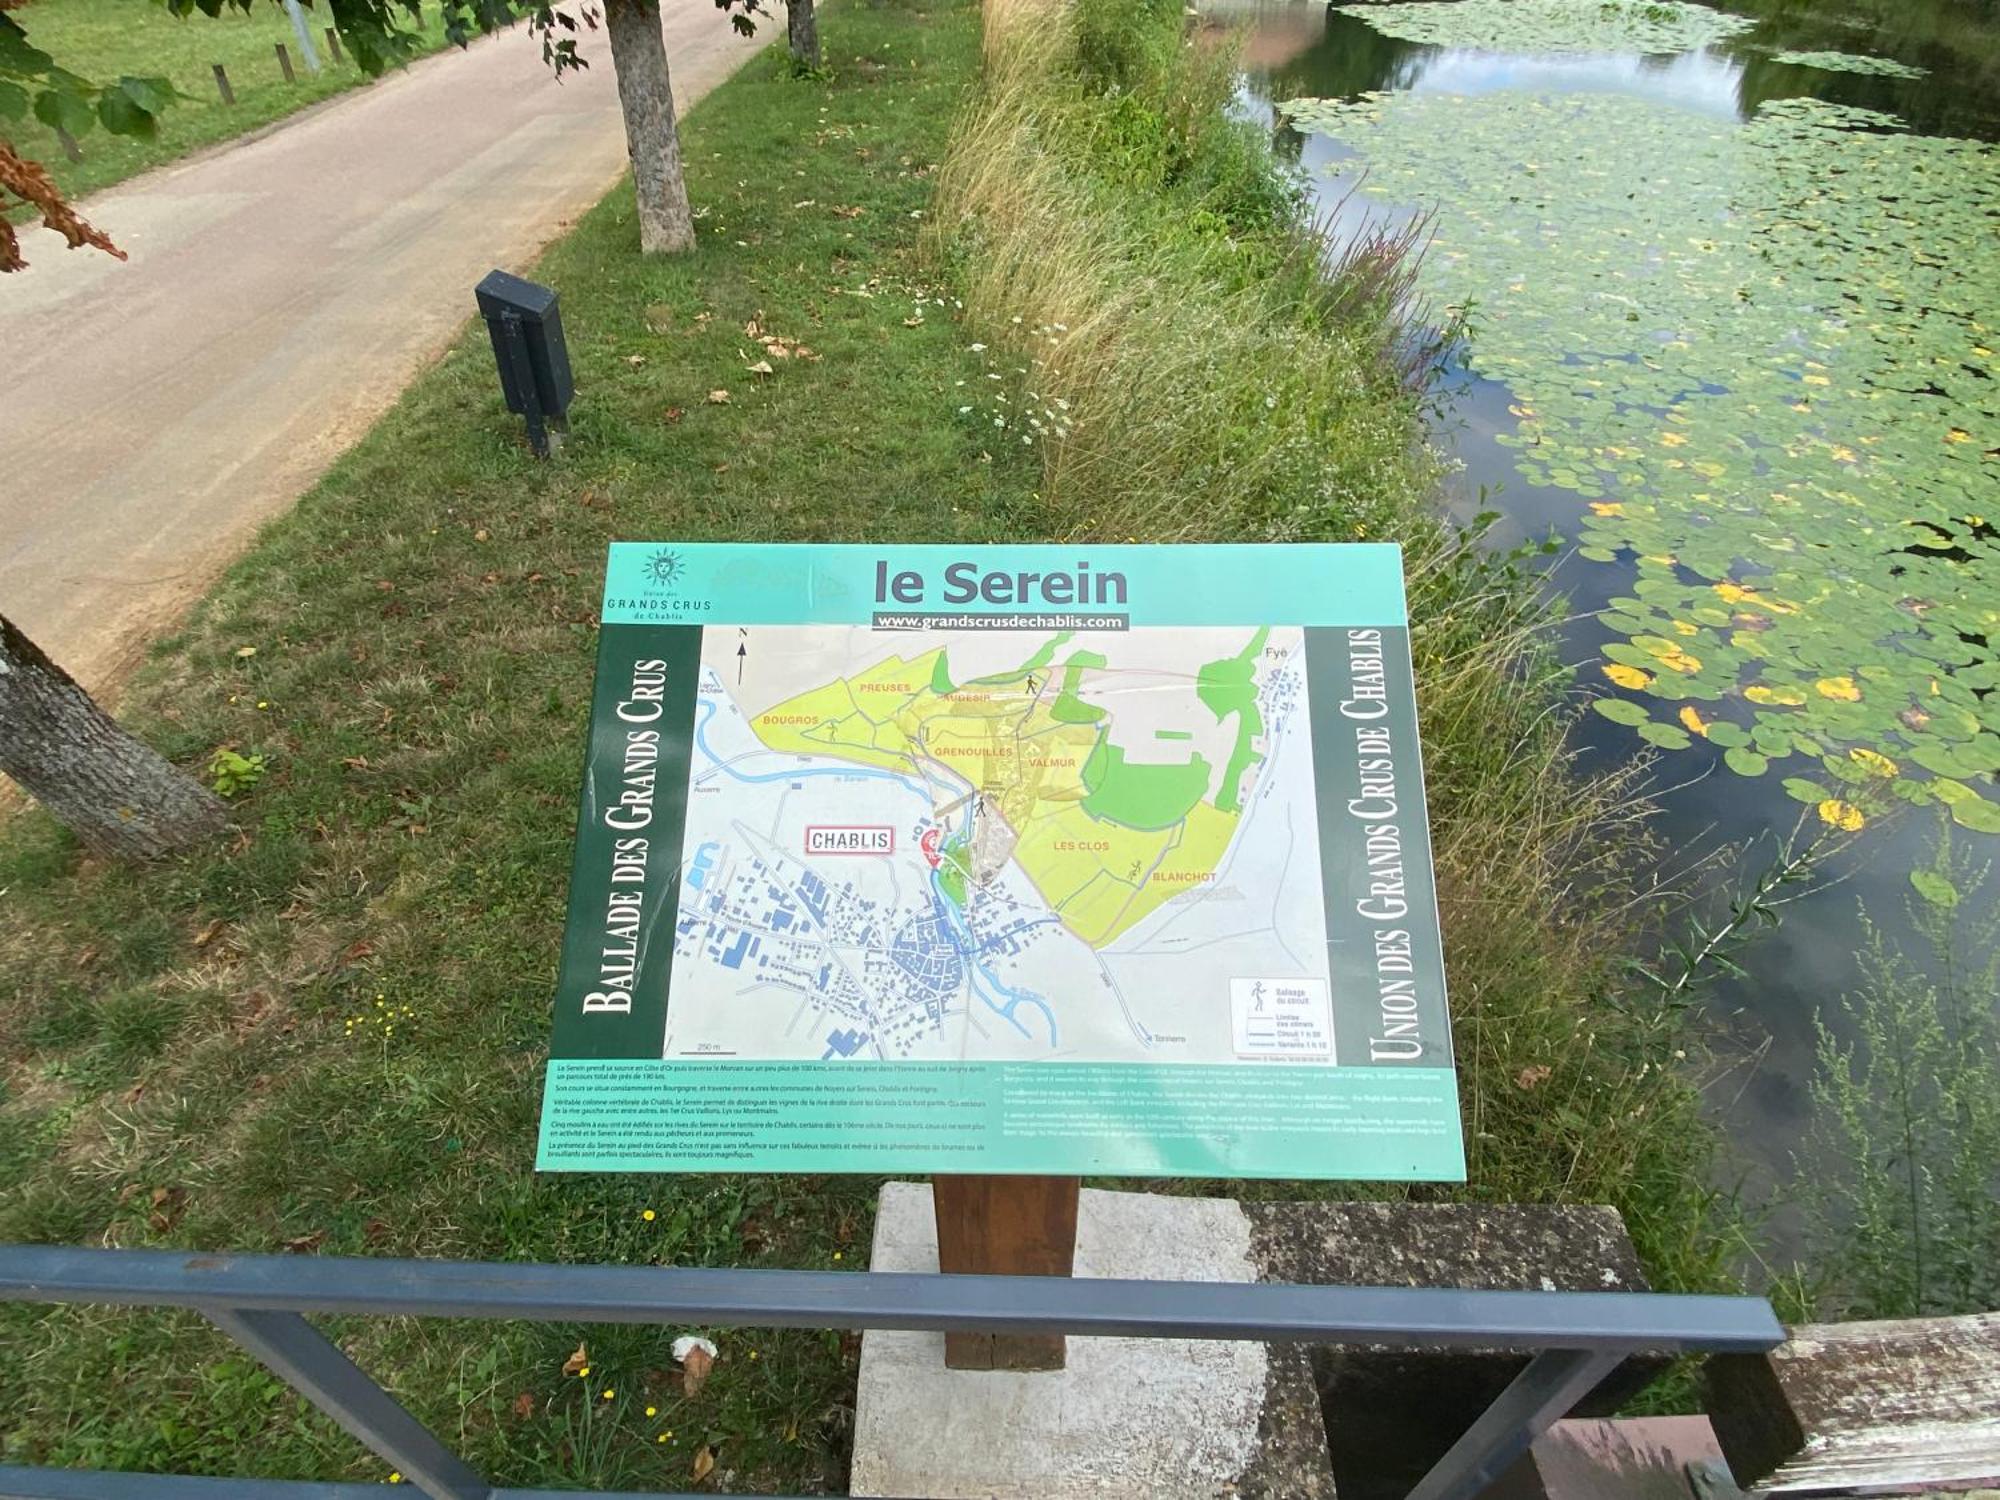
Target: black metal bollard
pixel 525 325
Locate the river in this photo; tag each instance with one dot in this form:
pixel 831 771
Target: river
pixel 1731 282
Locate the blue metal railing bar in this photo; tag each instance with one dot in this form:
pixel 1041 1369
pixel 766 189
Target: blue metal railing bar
pixel 1402 1317
pixel 1576 1338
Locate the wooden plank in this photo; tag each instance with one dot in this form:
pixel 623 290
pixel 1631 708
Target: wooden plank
pixel 1022 1226
pixel 1864 1407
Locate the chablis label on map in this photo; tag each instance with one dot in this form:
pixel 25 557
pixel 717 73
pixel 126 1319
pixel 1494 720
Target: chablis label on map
pixel 1017 859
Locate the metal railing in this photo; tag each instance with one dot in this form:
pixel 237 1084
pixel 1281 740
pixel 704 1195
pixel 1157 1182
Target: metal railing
pixel 1575 1338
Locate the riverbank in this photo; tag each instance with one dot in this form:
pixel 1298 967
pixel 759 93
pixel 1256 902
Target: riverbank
pixel 328 1036
pixel 1138 252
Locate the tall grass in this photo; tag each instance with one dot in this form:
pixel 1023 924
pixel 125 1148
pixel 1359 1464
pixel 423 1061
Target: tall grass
pixel 1900 1176
pixel 1092 187
pixel 1224 371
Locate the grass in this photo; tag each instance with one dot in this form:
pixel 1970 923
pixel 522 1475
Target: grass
pixel 328 1035
pixel 104 40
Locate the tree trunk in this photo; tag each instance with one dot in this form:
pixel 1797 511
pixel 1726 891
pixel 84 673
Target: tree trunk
pixel 650 137
pixel 106 787
pixel 803 26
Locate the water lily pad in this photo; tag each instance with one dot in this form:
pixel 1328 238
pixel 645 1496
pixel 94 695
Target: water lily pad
pixel 1745 762
pixel 1935 888
pixel 1554 26
pixel 1666 736
pixel 1849 62
pixel 1797 302
pixel 1621 710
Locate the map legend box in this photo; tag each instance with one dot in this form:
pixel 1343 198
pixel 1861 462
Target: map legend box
pixel 1287 1018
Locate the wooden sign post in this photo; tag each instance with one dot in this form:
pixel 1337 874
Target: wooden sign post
pixel 1018 1226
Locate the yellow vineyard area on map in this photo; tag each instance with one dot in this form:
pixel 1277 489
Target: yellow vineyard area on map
pixel 1106 839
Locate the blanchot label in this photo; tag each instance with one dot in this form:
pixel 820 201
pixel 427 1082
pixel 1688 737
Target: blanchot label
pixel 853 838
pixel 1281 1018
pixel 1108 861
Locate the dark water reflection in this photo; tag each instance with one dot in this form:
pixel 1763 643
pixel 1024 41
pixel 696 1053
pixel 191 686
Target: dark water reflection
pixel 1305 49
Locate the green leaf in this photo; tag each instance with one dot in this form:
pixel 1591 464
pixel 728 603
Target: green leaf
pixel 152 94
pixel 63 109
pixel 1745 762
pixel 13 101
pixel 1666 736
pixel 1977 814
pixel 1801 790
pixel 122 114
pixel 1621 710
pixel 1935 888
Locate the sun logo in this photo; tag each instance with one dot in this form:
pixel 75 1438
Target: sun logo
pixel 665 568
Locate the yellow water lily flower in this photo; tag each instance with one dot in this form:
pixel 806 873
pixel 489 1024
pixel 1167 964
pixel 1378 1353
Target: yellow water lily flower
pixel 1842 815
pixel 1608 507
pixel 1841 688
pixel 1696 724
pixel 1672 439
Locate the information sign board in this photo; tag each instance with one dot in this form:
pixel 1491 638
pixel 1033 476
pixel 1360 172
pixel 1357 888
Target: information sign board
pixel 1038 859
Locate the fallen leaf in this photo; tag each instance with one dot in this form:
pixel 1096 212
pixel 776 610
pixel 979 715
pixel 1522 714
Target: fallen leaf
pixel 704 1463
pixel 481 534
pixel 674 414
pixel 1533 1075
pixel 576 1361
pixel 913 322
pixel 718 398
pixel 635 360
pixel 357 950
pixel 697 1358
pixel 167 1205
pixel 208 934
pixel 246 651
pixel 524 1406
pixel 762 367
pixel 355 762
pixel 305 1244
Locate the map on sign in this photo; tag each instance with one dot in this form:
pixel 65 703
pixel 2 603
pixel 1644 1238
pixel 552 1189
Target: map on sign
pixel 1023 859
pixel 998 845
